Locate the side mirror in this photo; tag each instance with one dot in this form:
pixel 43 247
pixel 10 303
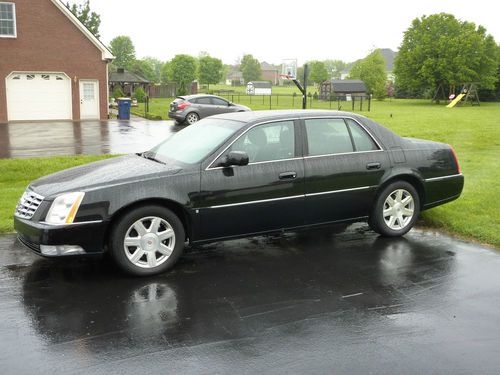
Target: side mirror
pixel 235 158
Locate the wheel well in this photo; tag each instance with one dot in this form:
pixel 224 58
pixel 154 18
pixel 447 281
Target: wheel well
pixel 176 208
pixel 414 181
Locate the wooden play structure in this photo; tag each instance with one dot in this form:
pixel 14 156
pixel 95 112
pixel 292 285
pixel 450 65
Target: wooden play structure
pixel 467 94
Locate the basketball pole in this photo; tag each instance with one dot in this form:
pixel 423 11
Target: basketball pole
pixel 303 89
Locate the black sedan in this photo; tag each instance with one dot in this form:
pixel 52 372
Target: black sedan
pixel 237 175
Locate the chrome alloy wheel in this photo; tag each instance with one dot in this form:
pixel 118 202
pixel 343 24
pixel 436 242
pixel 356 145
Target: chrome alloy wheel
pixel 399 208
pixel 149 242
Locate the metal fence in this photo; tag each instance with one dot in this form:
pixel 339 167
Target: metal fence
pixel 291 101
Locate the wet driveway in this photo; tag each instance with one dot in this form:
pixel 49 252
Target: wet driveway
pixel 32 139
pixel 299 303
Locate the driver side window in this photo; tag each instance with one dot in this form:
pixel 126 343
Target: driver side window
pixel 275 141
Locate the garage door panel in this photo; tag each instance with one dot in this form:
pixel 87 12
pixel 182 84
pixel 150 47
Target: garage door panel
pixel 38 96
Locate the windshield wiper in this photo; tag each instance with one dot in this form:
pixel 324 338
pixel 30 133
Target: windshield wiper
pixel 151 156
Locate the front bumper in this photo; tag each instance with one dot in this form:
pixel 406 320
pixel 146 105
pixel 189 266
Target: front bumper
pixel 89 236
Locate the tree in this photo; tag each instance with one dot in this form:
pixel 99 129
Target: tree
pixel 183 69
pixel 250 67
pixel 439 49
pixel 371 70
pixel 166 72
pixel 317 72
pixel 210 70
pixel 91 20
pixel 335 68
pixel 124 51
pixel 149 68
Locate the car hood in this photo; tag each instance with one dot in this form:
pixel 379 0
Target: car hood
pixel 102 173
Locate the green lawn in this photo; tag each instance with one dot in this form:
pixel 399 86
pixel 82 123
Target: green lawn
pixel 474 132
pixel 16 174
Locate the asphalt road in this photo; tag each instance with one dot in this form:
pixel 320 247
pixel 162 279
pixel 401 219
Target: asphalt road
pixel 300 303
pixel 50 138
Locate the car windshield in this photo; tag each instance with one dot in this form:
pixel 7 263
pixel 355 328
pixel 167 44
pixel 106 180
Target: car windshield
pixel 192 144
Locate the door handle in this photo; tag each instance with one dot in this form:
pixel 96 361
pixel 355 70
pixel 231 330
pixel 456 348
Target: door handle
pixel 288 175
pixel 371 166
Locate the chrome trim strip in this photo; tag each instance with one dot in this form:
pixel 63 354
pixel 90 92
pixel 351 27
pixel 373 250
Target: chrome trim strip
pixel 342 153
pixel 443 177
pixel 242 134
pixel 254 202
pixel 338 191
pixel 78 223
pixel 284 198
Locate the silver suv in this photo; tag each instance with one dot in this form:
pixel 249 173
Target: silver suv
pixel 191 108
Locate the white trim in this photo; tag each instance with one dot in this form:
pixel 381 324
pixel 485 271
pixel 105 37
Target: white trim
pixel 71 224
pixel 106 53
pixel 442 177
pixel 14 17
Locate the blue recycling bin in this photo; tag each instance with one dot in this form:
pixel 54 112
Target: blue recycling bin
pixel 124 108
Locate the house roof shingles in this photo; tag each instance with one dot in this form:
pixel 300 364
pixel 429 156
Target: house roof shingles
pixel 348 85
pixel 126 77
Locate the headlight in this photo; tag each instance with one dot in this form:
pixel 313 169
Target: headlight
pixel 64 208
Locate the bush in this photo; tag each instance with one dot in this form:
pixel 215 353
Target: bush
pixel 118 93
pixel 181 91
pixel 139 94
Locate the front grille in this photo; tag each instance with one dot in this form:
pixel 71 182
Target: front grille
pixel 28 204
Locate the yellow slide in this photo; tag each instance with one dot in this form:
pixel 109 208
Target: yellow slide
pixel 454 102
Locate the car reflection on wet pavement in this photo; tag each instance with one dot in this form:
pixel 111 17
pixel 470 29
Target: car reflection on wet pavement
pixel 306 302
pixel 26 139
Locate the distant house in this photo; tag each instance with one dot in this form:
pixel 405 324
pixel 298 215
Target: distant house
pixel 259 88
pixel 269 72
pixel 51 66
pixel 345 89
pixel 387 54
pixel 127 81
pixel 234 77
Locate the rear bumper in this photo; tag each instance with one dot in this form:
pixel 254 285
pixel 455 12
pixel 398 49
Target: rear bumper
pixel 179 116
pixel 89 236
pixel 440 190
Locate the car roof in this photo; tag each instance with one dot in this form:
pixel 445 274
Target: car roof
pixel 254 116
pixel 194 96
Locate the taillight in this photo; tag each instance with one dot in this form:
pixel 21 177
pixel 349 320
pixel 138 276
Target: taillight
pixel 456 159
pixel 183 105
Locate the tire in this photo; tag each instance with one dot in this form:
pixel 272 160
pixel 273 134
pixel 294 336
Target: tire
pixel 396 209
pixel 191 118
pixel 155 241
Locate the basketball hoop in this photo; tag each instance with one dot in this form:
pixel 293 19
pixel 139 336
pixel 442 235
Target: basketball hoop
pixel 287 76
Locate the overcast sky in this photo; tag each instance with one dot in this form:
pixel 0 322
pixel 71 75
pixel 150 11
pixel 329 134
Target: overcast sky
pixel 275 30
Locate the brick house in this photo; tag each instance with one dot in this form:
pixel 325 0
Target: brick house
pixel 51 66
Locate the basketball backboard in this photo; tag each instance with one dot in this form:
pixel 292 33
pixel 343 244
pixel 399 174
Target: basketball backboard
pixel 289 68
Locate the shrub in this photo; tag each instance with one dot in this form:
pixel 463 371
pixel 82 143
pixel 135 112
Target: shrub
pixel 139 94
pixel 118 93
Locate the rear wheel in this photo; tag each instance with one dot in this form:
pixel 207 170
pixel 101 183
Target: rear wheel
pixel 191 118
pixel 147 241
pixel 396 209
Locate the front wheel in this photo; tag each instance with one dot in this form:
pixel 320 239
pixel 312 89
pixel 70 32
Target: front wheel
pixel 396 209
pixel 147 240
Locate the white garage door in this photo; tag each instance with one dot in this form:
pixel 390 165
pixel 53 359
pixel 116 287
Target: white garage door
pixel 38 96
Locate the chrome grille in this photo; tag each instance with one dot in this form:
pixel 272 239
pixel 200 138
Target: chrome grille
pixel 28 204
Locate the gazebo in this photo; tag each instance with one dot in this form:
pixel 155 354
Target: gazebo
pixel 128 82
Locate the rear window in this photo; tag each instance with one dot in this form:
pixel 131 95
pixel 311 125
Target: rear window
pixel 362 140
pixel 328 136
pixel 203 101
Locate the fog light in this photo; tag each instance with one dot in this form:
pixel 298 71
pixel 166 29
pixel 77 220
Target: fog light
pixel 61 250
